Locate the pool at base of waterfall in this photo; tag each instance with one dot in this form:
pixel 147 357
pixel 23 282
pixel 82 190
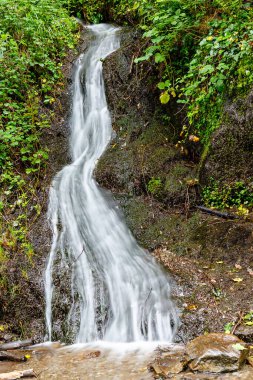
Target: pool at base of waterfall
pixel 100 360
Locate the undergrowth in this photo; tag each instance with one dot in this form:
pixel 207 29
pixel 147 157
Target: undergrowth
pixel 236 194
pixel 35 36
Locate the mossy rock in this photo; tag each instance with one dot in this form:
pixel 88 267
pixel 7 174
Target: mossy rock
pixel 230 155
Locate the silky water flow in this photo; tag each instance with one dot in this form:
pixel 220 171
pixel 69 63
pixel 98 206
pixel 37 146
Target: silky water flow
pixel 118 292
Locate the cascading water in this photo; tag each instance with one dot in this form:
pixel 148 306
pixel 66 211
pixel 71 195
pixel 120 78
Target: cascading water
pixel 118 292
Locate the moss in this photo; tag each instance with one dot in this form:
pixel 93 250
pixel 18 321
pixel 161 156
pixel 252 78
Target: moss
pixel 229 157
pixel 153 227
pixel 176 184
pixel 203 157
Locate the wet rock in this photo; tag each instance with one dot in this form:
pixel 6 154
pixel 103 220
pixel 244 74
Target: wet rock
pixel 245 374
pixel 250 360
pixel 170 362
pixel 8 337
pixel 216 353
pixel 90 355
pixel 245 333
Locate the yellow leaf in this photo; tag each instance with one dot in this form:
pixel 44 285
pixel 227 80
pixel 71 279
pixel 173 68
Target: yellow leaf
pixel 191 307
pixel 2 328
pixel 27 356
pixel 219 262
pixel 237 279
pixel 194 138
pixel 192 182
pixel 173 92
pixel 209 38
pixel 164 97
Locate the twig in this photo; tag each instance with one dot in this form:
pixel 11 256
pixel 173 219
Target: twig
pixel 187 202
pixel 78 257
pixel 239 321
pixel 131 65
pixel 224 215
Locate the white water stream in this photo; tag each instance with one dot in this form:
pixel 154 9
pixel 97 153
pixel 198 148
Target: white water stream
pixel 119 293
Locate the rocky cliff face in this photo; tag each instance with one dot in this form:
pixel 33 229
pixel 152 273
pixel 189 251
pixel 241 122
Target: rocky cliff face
pixel 155 185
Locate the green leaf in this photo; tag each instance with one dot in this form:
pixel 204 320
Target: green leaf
pixel 159 58
pixel 161 85
pixel 164 97
pixel 208 69
pixel 157 40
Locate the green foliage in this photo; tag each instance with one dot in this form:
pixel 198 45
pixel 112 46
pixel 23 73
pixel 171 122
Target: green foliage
pixel 220 67
pixel 155 186
pixel 90 11
pixel 248 319
pixel 228 327
pixel 236 194
pixel 34 38
pixel 203 51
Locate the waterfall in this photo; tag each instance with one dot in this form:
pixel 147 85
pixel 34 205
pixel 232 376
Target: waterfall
pixel 118 292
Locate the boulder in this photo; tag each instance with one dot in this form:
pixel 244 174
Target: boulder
pixel 216 353
pixel 170 362
pixel 245 333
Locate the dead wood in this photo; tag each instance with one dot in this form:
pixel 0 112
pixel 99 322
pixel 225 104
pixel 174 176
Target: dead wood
pixel 7 356
pixel 210 211
pixel 16 345
pixel 17 374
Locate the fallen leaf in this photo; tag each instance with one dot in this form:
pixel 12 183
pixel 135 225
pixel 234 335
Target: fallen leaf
pixel 219 262
pixel 194 138
pixel 238 347
pixel 237 279
pixel 250 271
pixel 192 182
pixel 191 307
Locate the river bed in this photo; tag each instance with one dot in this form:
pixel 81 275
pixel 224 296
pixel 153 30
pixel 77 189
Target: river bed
pixel 100 360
